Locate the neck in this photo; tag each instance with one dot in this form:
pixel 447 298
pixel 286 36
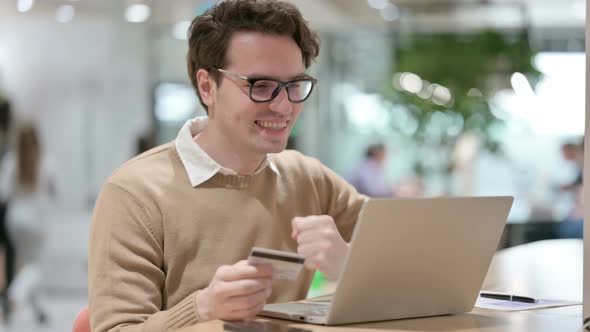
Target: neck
pixel 224 153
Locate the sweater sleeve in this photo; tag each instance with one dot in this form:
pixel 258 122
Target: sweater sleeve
pixel 340 200
pixel 126 269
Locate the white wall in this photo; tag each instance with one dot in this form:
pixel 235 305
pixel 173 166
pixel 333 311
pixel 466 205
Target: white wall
pixel 86 84
pixel 169 56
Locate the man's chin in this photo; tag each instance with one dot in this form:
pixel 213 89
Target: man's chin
pixel 274 148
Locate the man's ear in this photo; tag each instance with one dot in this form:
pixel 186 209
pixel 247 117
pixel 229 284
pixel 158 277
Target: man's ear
pixel 207 87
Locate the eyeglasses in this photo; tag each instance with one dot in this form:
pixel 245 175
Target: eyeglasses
pixel 266 89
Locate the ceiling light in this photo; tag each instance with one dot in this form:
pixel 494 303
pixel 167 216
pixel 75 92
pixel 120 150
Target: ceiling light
pixel 65 13
pixel 137 13
pixel 390 12
pixel 378 4
pixel 24 5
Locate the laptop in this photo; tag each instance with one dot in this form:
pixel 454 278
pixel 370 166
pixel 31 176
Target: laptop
pixel 410 257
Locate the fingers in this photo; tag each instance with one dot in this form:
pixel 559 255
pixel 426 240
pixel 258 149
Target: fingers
pixel 245 287
pixel 243 270
pixel 315 255
pixel 236 291
pixel 242 279
pixel 308 250
pixel 318 235
pixel 264 270
pixel 319 241
pixel 302 224
pixel 248 302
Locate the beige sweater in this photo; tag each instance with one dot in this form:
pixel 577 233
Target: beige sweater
pixel 155 240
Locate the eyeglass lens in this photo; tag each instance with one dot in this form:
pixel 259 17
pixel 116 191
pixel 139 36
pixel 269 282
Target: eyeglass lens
pixel 264 90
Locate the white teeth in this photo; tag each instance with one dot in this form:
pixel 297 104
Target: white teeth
pixel 272 125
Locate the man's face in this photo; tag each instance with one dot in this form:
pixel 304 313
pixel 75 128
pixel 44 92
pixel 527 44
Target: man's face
pixel 250 127
pixel 568 153
pixel 380 156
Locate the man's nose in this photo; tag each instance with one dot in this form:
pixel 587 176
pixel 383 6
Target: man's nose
pixel 281 103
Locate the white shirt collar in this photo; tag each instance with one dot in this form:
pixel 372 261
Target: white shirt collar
pixel 199 166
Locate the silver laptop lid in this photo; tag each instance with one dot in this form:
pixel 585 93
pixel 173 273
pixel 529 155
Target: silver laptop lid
pixel 418 257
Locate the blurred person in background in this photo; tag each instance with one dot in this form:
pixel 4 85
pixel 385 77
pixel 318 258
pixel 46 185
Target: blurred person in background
pixel 574 153
pixel 164 251
pixel 369 176
pixel 26 180
pixel 572 225
pixel 5 238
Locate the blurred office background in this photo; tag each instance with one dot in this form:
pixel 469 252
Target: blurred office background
pixel 469 97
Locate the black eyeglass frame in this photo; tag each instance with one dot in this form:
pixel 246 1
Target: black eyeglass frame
pixel 252 80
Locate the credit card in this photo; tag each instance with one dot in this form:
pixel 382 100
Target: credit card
pixel 285 265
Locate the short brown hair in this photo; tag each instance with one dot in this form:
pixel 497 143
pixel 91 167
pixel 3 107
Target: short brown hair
pixel 374 149
pixel 209 34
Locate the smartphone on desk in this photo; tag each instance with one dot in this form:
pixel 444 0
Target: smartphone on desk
pixel 254 326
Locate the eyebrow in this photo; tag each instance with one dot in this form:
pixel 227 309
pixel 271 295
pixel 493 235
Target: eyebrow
pixel 266 77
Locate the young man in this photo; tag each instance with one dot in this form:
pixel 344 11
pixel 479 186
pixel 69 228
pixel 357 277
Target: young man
pixel 172 227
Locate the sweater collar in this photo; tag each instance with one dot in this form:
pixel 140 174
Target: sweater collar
pixel 199 166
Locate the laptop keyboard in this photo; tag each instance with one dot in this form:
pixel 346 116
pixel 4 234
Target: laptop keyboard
pixel 310 309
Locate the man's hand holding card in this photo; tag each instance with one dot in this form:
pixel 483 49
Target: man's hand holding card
pixel 240 291
pixel 285 265
pixel 237 291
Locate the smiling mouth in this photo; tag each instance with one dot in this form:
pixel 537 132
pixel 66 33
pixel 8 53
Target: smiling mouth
pixel 272 125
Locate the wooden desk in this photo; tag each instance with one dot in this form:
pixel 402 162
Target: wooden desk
pixel 545 269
